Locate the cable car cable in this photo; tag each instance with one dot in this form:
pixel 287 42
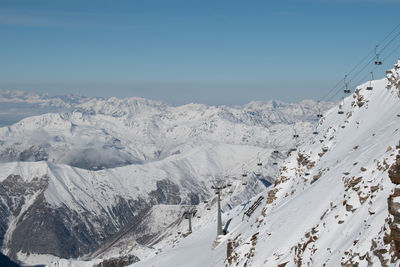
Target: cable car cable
pixel 363 59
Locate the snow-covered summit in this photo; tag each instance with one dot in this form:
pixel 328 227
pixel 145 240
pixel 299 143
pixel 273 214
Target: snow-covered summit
pixel 100 133
pixel 113 106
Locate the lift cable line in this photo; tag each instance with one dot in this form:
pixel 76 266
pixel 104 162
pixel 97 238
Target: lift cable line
pixel 324 97
pixel 370 58
pixel 360 71
pixel 375 67
pixel 380 52
pixel 257 160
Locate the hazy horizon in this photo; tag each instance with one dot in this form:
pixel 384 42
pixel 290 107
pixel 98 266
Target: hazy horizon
pixel 218 53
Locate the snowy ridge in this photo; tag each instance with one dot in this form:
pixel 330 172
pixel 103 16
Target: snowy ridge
pixel 110 133
pixel 107 162
pixel 105 166
pixel 329 206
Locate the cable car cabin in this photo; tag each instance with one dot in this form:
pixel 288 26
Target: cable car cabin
pixel 369 88
pixel 315 132
pixel 208 208
pixel 276 151
pixel 179 233
pixel 275 163
pixel 205 201
pixel 378 62
pixel 296 136
pixel 244 175
pixel 259 164
pixel 229 184
pixel 293 149
pixel 346 91
pixel 340 112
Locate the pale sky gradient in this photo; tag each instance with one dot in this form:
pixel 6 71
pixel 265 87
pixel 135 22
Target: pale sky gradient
pixel 209 51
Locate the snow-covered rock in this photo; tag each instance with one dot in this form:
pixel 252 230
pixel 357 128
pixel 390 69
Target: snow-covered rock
pixel 332 204
pixel 88 181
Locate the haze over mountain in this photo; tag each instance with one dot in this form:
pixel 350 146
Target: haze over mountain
pixel 78 178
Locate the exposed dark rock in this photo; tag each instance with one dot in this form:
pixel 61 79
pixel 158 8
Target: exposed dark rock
pixel 34 153
pixel 13 192
pixel 166 193
pixel 394 207
pixel 118 262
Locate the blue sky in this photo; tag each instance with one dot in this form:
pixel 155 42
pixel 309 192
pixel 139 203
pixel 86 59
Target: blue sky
pixel 214 52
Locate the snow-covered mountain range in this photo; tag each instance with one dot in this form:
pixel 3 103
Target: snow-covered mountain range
pixel 335 202
pixel 85 181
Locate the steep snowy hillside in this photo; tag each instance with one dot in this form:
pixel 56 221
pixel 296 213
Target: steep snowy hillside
pixel 86 181
pixel 336 201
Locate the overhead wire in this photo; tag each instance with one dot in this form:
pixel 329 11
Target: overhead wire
pixel 324 97
pixel 375 67
pixel 335 89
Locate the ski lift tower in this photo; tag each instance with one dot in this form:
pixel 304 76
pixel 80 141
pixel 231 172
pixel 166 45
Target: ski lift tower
pixel 189 212
pixel 218 189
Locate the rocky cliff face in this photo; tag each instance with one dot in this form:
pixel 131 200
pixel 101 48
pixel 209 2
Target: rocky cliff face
pixel 394 210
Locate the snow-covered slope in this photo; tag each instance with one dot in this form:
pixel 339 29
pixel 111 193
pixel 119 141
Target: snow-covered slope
pixel 116 132
pixel 335 202
pixel 83 179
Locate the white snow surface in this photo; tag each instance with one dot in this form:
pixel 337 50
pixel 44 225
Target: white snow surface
pixel 311 214
pixel 316 217
pixel 100 134
pixel 124 146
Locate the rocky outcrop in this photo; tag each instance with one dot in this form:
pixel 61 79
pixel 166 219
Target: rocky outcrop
pixel 394 208
pixel 394 171
pixel 118 262
pixel 393 77
pixel 14 193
